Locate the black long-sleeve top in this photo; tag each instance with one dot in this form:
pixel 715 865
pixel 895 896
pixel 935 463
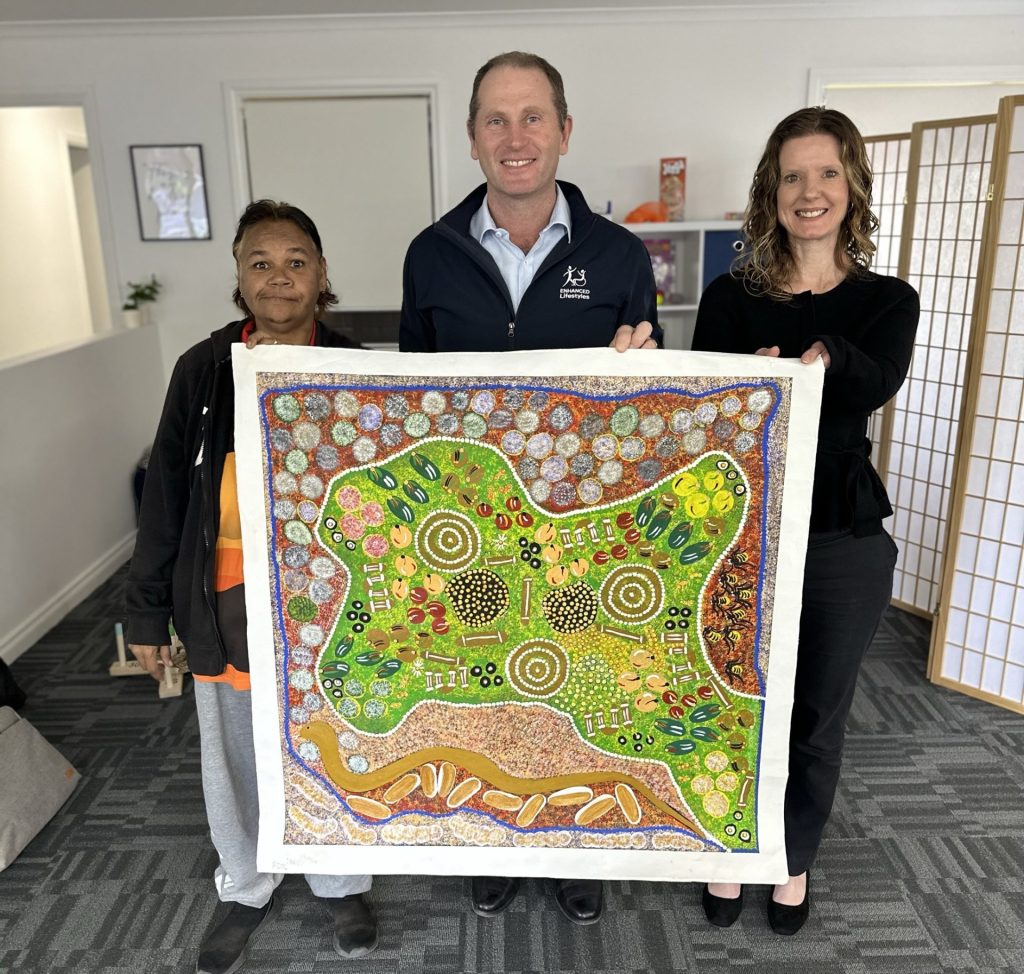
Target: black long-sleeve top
pixel 868 324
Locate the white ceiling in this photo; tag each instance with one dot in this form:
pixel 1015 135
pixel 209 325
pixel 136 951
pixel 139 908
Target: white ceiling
pixel 12 11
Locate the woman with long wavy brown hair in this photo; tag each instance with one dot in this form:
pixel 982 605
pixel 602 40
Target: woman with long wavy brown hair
pixel 803 289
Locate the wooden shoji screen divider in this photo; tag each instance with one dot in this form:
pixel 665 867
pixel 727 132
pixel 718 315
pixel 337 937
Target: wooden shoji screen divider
pixel 978 641
pixel 889 156
pixel 947 189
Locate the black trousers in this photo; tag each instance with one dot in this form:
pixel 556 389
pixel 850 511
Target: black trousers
pixel 847 585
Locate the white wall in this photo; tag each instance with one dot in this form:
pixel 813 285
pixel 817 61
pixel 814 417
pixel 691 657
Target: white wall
pixel 44 300
pixel 75 424
pixel 640 86
pixel 890 111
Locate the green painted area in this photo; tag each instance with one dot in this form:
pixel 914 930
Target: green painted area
pixel 440 544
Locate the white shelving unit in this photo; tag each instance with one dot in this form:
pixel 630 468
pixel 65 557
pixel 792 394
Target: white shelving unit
pixel 702 249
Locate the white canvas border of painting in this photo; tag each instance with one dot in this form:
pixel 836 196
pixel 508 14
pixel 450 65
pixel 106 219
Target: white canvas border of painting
pixel 760 867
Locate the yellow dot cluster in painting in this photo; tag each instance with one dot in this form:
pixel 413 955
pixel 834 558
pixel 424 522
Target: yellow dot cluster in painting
pixel 571 609
pixel 478 597
pixel 589 683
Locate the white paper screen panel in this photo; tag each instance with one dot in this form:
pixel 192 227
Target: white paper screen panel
pixel 889 157
pixel 947 187
pixel 979 644
pixel 361 168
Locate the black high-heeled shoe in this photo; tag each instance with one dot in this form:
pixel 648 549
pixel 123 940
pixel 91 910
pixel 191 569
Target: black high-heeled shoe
pixel 720 910
pixel 787 920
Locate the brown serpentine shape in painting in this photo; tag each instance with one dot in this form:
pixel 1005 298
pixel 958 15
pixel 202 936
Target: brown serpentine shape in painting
pixel 325 738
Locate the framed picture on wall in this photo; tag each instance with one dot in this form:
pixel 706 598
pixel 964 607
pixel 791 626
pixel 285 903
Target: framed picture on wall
pixel 170 192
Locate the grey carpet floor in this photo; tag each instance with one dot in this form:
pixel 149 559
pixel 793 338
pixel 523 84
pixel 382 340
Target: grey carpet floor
pixel 922 867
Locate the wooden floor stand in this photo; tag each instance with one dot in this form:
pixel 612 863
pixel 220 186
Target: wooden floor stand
pixel 172 683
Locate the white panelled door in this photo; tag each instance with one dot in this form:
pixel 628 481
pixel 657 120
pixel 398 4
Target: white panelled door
pixel 361 168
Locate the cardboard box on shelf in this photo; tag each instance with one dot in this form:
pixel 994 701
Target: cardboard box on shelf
pixel 673 186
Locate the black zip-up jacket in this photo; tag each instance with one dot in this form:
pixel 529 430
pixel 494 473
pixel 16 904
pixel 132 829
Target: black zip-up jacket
pixel 171 572
pixel 867 323
pixel 454 298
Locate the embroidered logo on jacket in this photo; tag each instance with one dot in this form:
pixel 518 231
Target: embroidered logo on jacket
pixel 575 284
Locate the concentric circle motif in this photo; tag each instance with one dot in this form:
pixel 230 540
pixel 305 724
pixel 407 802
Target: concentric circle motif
pixel 514 398
pixel 537 668
pixel 667 446
pixel 343 433
pixel 570 609
pixel 632 594
pixel 447 540
pixel 478 596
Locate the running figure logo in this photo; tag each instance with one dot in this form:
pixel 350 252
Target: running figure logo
pixel 575 277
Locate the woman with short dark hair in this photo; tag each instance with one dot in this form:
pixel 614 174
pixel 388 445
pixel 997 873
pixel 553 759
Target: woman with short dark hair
pixel 188 563
pixel 803 290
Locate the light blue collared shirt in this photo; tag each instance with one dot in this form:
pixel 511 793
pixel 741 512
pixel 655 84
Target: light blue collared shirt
pixel 517 269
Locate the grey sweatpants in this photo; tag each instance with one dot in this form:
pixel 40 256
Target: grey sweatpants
pixel 232 804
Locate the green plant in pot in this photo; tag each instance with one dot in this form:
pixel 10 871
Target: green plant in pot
pixel 136 305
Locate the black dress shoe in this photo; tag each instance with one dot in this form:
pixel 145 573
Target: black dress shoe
pixel 787 920
pixel 492 894
pixel 720 910
pixel 581 900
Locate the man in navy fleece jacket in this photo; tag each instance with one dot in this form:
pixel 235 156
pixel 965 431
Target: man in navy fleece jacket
pixel 523 263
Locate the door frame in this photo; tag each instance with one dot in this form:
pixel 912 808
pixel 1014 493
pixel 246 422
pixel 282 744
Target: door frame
pixel 83 97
